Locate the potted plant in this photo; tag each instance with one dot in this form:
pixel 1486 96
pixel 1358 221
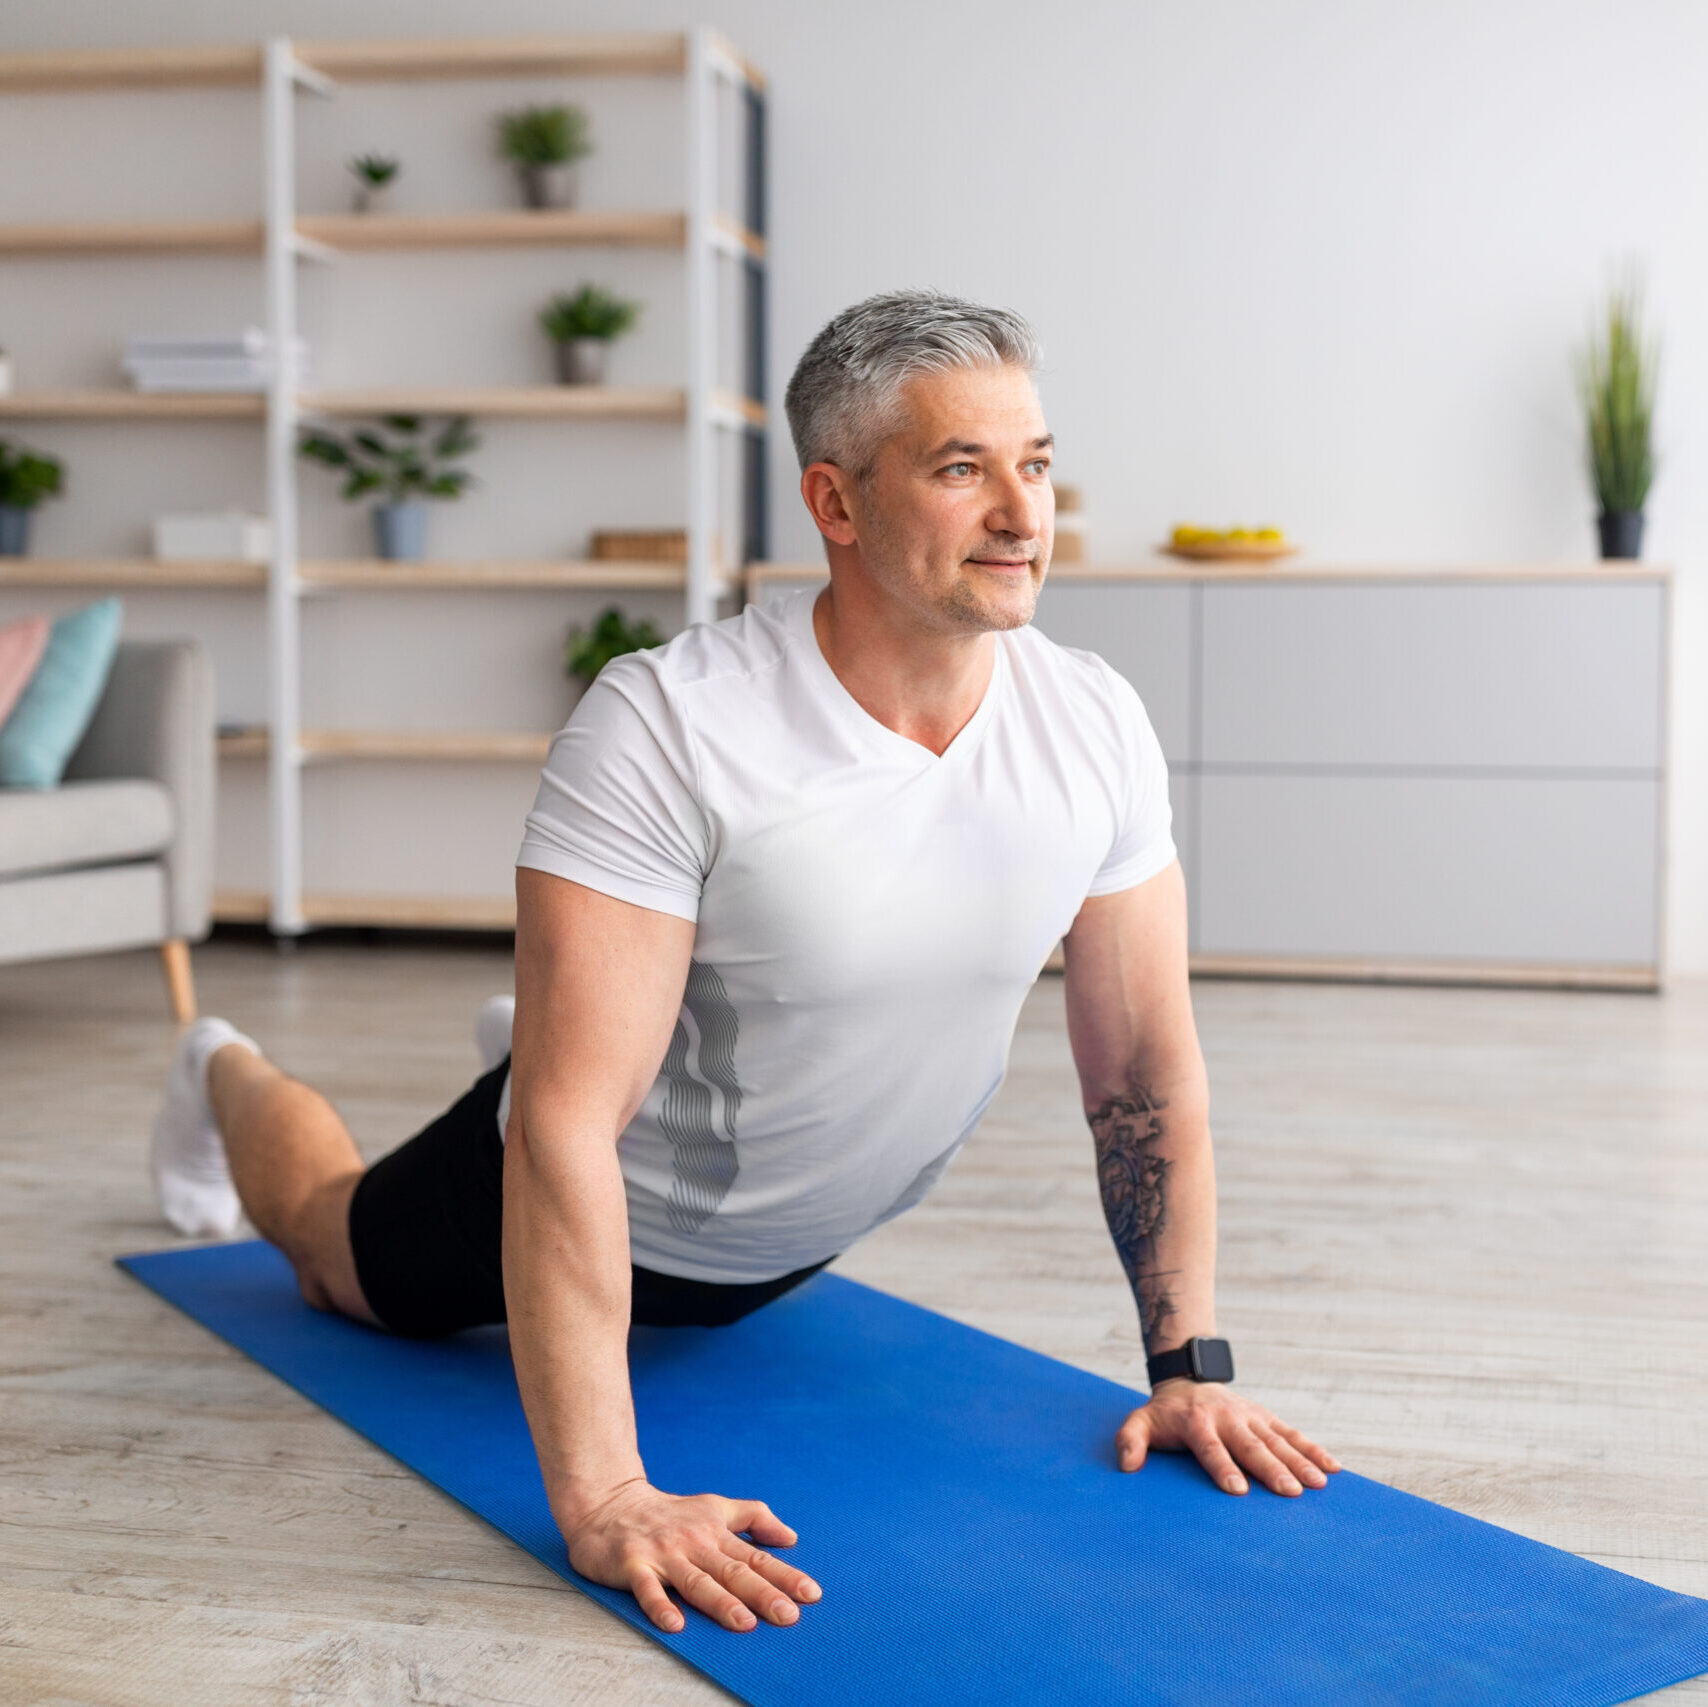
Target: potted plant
pixel 543 144
pixel 408 468
pixel 1616 380
pixel 589 650
pixel 374 174
pixel 26 478
pixel 582 328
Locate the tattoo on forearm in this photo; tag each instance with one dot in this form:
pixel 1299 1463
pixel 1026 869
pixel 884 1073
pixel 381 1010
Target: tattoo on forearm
pixel 1133 1177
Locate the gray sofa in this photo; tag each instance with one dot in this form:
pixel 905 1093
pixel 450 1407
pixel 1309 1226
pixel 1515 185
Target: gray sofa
pixel 120 855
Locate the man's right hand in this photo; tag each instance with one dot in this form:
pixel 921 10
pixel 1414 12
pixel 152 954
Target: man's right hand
pixel 648 1542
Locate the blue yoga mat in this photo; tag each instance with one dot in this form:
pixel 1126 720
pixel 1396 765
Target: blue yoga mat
pixel 956 1497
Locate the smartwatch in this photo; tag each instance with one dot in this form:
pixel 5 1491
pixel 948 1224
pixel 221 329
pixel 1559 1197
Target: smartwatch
pixel 1198 1359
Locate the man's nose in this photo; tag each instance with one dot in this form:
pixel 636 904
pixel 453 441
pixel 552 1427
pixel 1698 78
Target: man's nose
pixel 1016 510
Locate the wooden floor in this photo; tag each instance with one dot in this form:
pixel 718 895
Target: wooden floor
pixel 1463 1244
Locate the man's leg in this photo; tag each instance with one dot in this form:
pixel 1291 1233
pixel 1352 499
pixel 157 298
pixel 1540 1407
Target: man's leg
pixel 295 1168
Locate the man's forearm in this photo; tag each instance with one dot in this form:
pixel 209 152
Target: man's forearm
pixel 567 1283
pixel 1157 1178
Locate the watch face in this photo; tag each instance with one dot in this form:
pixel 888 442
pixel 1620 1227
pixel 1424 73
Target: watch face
pixel 1212 1360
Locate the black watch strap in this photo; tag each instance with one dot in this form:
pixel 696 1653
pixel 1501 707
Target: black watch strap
pixel 1198 1360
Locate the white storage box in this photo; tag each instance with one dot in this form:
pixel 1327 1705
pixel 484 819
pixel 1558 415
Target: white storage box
pixel 224 536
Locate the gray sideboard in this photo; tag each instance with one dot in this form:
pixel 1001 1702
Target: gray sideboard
pixel 1452 774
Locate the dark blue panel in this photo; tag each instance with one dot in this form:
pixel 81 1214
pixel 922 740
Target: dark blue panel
pixel 956 1496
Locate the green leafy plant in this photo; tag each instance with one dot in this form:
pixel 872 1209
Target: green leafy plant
pixel 27 476
pixel 1616 381
pixel 375 171
pixel 589 650
pixel 544 136
pixel 410 464
pixel 589 313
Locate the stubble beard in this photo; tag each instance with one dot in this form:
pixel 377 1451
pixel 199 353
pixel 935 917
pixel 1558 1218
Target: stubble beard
pixel 963 605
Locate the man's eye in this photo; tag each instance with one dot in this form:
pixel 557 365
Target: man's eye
pixel 1041 466
pixel 959 468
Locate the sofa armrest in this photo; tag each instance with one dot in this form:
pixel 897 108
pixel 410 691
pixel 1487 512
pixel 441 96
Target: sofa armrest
pixel 156 720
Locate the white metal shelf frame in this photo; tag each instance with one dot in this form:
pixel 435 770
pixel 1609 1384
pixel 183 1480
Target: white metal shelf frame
pixel 283 69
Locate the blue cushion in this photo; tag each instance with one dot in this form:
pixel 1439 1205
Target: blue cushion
pixel 38 739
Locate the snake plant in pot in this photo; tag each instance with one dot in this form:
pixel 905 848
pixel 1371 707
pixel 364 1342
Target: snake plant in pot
pixel 26 478
pixel 402 463
pixel 1616 381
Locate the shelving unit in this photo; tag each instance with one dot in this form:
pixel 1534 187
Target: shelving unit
pixel 721 250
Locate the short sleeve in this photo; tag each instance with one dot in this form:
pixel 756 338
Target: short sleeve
pixel 618 808
pixel 1144 839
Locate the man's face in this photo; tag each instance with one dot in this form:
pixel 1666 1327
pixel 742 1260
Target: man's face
pixel 956 519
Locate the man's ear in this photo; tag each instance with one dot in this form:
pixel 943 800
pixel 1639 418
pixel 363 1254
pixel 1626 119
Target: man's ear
pixel 828 491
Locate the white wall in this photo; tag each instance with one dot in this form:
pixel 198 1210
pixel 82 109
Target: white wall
pixel 1317 262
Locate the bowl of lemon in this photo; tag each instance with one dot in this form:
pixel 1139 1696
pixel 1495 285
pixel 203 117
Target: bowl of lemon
pixel 1254 545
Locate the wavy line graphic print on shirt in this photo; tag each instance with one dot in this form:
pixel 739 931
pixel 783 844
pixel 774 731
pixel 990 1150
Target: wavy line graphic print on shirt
pixel 699 1074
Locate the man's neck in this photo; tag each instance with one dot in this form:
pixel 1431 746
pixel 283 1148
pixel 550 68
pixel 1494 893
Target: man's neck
pixel 923 684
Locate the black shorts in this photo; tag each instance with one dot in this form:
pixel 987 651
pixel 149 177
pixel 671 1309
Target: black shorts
pixel 427 1221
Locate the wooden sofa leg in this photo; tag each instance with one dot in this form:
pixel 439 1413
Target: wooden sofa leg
pixel 180 985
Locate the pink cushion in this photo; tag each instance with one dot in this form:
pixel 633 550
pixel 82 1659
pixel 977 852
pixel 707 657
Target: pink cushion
pixel 21 648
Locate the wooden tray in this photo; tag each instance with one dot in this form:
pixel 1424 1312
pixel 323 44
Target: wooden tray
pixel 1233 550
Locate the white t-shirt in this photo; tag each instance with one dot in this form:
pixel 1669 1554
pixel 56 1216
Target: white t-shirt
pixel 869 915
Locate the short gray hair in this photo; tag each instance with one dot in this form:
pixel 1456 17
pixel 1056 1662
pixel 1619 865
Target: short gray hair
pixel 842 399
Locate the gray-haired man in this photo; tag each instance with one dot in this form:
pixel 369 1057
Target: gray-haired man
pixel 784 888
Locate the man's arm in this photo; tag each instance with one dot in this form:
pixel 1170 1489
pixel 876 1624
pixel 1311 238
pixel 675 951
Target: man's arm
pixel 1129 1010
pixel 598 988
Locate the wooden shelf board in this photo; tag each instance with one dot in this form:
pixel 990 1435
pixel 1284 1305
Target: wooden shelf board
pixel 402 912
pixel 640 402
pixel 632 54
pixel 750 409
pixel 131 68
pixel 498 227
pixel 473 745
pixel 380 575
pixel 738 233
pixel 127 572
pixel 118 405
pixel 134 237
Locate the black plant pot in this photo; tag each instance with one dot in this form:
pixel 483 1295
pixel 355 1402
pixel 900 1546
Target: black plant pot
pixel 1621 533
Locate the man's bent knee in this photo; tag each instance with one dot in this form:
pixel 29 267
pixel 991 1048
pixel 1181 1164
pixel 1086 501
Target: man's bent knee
pixel 320 1251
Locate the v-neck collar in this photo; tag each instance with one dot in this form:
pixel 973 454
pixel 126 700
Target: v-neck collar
pixel 798 618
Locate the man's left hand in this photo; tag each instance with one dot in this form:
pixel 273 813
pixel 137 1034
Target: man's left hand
pixel 1231 1437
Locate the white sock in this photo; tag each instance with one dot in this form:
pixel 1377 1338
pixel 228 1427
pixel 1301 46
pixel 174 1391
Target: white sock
pixel 492 1030
pixel 187 1158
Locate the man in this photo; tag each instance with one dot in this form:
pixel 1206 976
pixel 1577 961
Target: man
pixel 786 883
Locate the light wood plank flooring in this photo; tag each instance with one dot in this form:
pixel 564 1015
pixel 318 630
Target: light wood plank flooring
pixel 1463 1238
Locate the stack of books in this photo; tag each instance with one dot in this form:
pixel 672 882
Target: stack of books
pixel 242 362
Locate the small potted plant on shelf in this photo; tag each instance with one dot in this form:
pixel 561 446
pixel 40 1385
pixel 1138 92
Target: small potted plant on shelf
pixel 1616 380
pixel 582 328
pixel 543 144
pixel 589 650
pixel 408 468
pixel 375 174
pixel 26 478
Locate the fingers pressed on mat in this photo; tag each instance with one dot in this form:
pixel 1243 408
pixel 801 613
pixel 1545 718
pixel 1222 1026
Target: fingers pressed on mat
pixel 775 1570
pixel 755 1592
pixel 706 1594
pixel 1318 1455
pixel 1217 1460
pixel 655 1601
pixel 1262 1464
pixel 1303 1469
